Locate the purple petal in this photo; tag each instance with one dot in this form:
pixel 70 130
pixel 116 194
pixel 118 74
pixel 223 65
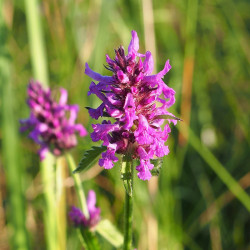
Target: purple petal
pixel 134 44
pixel 73 113
pixel 123 78
pixel 42 127
pixel 101 130
pixel 76 216
pixel 94 212
pixel 43 152
pixel 148 64
pixel 97 77
pixel 161 150
pixel 108 158
pixel 91 200
pixel 142 153
pixel 64 96
pixel 129 108
pixel 143 169
pixel 96 113
pixel 155 78
pixel 143 134
pixel 167 67
pixel 81 130
pixel 94 89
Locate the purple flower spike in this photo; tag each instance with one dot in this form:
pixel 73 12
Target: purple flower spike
pixel 138 102
pixel 51 124
pixel 79 219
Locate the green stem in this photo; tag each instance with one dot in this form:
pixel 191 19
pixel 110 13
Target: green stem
pixel 78 185
pixel 127 176
pixel 61 202
pixel 90 239
pixel 48 178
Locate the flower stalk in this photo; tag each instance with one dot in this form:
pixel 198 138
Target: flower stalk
pixel 48 179
pixel 60 176
pixel 90 240
pixel 87 225
pixel 127 177
pixel 78 185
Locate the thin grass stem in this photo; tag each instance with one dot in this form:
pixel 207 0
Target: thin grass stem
pixel 78 185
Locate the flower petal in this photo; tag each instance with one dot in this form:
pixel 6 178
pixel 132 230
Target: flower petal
pixel 134 44
pixel 144 170
pixel 97 77
pixel 148 64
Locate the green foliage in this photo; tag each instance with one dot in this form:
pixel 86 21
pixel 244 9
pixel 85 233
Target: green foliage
pixel 168 117
pixel 89 158
pixel 157 166
pixel 90 239
pixel 108 231
pixel 195 202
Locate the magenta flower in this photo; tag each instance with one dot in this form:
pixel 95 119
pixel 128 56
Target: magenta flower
pixel 51 124
pixel 79 219
pixel 138 103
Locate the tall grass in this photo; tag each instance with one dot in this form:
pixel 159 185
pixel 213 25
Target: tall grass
pixel 52 209
pixel 13 170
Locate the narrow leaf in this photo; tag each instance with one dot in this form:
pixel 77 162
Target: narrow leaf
pixel 108 231
pixel 89 158
pixel 172 117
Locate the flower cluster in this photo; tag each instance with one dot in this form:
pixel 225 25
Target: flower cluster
pixel 79 219
pixel 51 124
pixel 134 98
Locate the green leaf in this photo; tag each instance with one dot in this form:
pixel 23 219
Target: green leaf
pixel 108 231
pixel 89 158
pixel 172 117
pixel 157 166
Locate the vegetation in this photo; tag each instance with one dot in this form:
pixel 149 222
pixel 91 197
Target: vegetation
pixel 200 200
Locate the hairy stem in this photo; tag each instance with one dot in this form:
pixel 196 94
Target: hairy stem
pixel 127 176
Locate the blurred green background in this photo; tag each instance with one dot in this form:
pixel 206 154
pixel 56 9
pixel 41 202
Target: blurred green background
pixel 201 198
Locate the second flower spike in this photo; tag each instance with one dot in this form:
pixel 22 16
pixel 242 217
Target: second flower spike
pixel 51 124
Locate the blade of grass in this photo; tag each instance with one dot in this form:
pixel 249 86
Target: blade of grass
pixel 39 65
pixel 221 202
pixel 13 171
pixel 218 168
pixel 36 41
pixel 78 184
pixel 188 68
pixel 148 21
